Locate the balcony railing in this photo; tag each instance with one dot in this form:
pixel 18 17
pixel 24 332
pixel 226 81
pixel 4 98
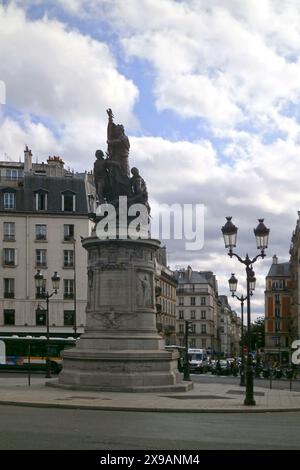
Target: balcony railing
pixel 40 236
pixel 9 238
pixel 9 263
pixel 68 264
pixel 9 295
pixel 68 238
pixel 68 295
pixel 186 290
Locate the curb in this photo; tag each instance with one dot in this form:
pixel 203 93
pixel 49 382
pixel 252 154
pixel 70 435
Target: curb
pixel 144 409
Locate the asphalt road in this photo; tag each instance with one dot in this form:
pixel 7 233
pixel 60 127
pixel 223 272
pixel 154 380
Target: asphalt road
pixel 61 429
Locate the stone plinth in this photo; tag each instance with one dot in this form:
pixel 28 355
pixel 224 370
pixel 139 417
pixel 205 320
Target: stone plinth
pixel 121 349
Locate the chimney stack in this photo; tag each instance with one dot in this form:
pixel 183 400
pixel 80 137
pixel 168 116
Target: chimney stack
pixel 27 159
pixel 275 259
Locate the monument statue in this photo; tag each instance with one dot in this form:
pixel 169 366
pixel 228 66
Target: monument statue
pixel 120 349
pixel 139 189
pixel 117 144
pixel 111 174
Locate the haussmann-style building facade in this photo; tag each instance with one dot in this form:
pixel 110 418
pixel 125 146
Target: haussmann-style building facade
pixel 43 215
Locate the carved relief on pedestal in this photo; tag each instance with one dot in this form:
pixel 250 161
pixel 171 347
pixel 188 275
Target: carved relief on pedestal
pixel 144 294
pixel 138 254
pixel 111 266
pixel 110 320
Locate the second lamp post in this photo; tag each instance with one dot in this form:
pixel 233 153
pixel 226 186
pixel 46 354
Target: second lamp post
pixel 232 287
pixel 261 233
pixel 40 284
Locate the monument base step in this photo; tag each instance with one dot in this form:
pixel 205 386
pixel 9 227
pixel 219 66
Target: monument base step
pixel 179 387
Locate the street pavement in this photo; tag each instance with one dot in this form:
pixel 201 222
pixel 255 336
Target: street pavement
pixel 34 428
pixel 220 397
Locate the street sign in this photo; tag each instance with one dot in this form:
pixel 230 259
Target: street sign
pixel 245 349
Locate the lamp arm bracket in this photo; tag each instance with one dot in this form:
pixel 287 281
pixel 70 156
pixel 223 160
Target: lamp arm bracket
pixel 231 254
pixel 260 255
pixel 241 298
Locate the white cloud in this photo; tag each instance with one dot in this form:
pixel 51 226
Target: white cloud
pixel 225 61
pixel 64 77
pixel 14 137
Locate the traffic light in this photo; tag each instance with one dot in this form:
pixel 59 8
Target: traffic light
pixel 260 338
pixel 188 327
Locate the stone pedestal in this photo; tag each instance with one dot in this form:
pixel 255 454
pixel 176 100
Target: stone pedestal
pixel 121 349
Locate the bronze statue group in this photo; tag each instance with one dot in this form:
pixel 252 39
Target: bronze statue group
pixel 111 171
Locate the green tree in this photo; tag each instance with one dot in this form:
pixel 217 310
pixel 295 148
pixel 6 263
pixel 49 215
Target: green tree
pixel 258 333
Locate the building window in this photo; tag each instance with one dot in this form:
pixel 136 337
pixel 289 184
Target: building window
pixel 203 300
pixel 68 232
pixel 41 232
pixel 277 311
pixel 9 255
pixel 193 314
pixel 203 329
pixel 9 201
pixel 41 200
pixel 68 288
pixel 181 315
pixel 222 329
pixel 192 343
pixel 68 258
pixel 277 326
pixel 193 301
pixel 9 231
pixel 193 328
pixel 180 300
pixel 279 284
pixel 203 314
pixel 9 317
pixel 41 258
pixel 203 341
pixel 13 175
pixel 40 317
pixel 69 317
pixel 68 202
pixel 181 328
pixel 9 288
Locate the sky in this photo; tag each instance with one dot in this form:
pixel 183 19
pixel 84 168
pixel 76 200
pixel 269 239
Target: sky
pixel 208 93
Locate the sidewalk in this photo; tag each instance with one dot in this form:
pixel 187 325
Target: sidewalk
pixel 204 398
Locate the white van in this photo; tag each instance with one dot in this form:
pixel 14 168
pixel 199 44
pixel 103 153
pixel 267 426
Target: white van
pixel 197 359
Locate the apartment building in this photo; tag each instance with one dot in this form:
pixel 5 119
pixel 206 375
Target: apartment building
pixel 165 298
pixel 43 215
pixel 197 301
pixel 279 319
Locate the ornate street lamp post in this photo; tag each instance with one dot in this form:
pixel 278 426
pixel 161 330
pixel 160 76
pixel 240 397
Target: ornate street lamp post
pixel 232 287
pixel 261 233
pixel 40 283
